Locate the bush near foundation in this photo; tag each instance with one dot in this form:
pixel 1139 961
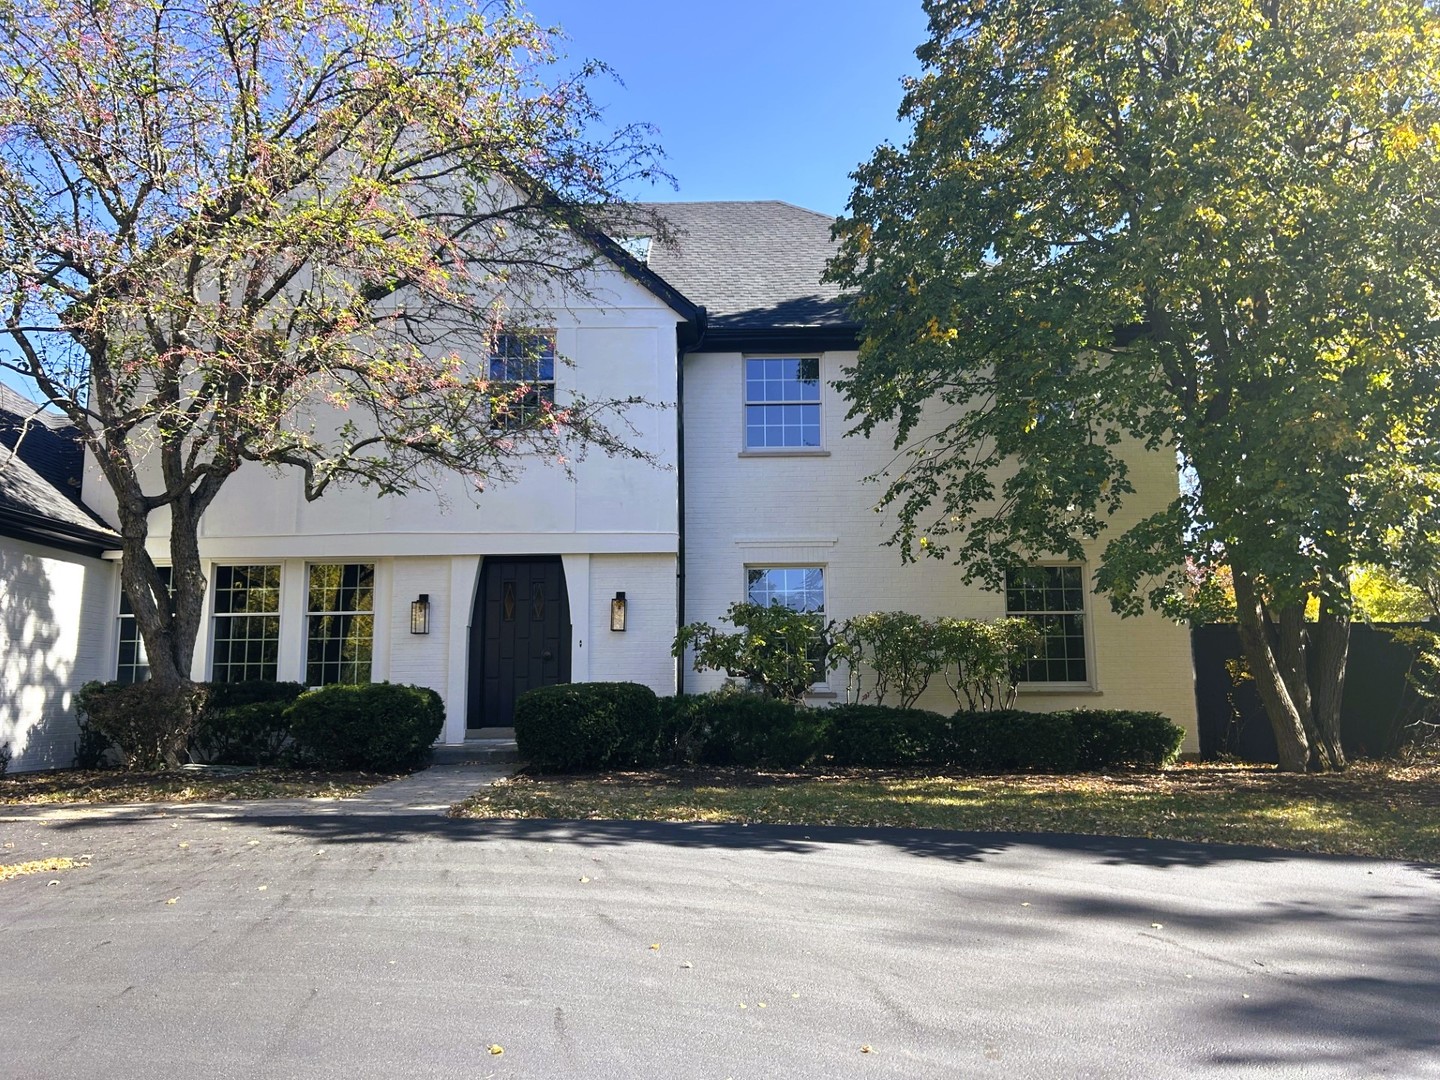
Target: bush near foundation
pixel 1106 738
pixel 376 727
pixel 882 736
pixel 1010 740
pixel 148 725
pixel 587 726
pixel 244 723
pixel 738 727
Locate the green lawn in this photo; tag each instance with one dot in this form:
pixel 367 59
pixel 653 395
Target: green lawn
pixel 180 785
pixel 1382 809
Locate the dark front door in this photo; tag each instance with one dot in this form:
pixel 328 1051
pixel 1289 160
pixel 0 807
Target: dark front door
pixel 519 635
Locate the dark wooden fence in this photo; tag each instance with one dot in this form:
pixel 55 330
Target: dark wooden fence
pixel 1376 714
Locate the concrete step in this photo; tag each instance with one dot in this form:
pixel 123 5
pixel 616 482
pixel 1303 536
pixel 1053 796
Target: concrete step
pixel 489 751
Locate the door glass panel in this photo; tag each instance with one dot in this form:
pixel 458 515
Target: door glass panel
pixel 507 602
pixel 537 601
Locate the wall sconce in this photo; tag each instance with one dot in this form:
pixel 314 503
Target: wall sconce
pixel 617 612
pixel 420 614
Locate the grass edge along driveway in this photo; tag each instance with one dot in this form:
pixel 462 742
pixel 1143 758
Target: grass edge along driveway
pixel 1384 809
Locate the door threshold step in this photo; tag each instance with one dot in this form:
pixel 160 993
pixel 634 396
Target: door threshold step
pixel 492 751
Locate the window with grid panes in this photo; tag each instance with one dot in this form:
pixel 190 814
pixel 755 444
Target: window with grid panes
pixel 246 623
pixel 799 588
pixel 782 403
pixel 523 368
pixel 341 623
pixel 1053 598
pixel 131 664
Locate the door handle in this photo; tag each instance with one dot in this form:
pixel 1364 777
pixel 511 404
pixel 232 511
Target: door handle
pixel 547 655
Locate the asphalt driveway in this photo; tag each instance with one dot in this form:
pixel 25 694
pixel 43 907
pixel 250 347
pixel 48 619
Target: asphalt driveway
pixel 349 946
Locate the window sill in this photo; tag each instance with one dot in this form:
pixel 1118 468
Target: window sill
pixel 1058 688
pixel 785 451
pixel 825 695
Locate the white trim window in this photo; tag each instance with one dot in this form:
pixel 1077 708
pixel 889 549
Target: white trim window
pixel 246 624
pixel 1053 598
pixel 799 588
pixel 782 403
pixel 340 637
pixel 522 369
pixel 131 663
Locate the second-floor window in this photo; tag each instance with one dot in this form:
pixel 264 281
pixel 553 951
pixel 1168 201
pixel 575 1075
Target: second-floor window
pixel 782 403
pixel 522 374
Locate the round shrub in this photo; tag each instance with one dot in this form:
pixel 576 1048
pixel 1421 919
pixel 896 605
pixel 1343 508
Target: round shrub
pixel 587 726
pixel 148 724
pixel 378 727
pixel 878 735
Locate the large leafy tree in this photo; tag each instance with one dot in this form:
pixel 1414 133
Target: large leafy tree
pixel 287 232
pixel 1204 228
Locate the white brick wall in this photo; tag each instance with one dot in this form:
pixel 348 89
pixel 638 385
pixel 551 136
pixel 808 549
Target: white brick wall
pixel 642 652
pixel 817 510
pixel 56 612
pixel 420 659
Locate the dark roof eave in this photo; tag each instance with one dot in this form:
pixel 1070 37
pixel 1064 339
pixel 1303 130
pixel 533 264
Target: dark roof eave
pixel 842 336
pixel 58 534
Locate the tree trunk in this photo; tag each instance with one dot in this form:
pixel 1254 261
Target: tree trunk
pixel 1259 643
pixel 1330 650
pixel 168 620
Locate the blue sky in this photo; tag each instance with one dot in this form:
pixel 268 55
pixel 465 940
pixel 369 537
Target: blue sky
pixel 754 99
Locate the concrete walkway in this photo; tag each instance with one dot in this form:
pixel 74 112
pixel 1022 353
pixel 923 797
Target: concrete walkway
pixel 427 793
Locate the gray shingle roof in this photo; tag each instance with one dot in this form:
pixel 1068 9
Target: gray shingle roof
pixel 42 480
pixel 753 265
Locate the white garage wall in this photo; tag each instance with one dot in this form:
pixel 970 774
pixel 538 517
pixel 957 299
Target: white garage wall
pixel 56 614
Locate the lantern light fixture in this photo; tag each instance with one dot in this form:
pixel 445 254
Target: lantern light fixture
pixel 617 612
pixel 420 614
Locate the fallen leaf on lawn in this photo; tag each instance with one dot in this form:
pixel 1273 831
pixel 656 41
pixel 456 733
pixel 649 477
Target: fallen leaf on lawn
pixel 496 1049
pixel 865 1049
pixel 173 900
pixel 655 947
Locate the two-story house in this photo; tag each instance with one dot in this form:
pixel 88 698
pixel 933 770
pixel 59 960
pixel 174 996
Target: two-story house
pixel 730 335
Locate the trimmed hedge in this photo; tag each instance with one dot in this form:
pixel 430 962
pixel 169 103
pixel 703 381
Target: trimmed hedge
pixel 587 726
pixel 244 723
pixel 378 727
pixel 1011 740
pixel 879 735
pixel 732 727
pixel 1110 737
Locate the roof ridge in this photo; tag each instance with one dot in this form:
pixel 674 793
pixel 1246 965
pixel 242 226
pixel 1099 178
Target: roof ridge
pixel 739 202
